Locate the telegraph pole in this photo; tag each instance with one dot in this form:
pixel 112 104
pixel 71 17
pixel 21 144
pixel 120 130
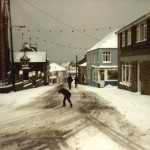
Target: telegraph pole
pixel 11 44
pixel 76 65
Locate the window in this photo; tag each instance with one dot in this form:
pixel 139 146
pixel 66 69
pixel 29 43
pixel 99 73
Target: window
pixel 88 58
pixel 126 73
pixel 97 56
pixel 106 57
pixel 123 39
pixel 95 75
pixel 101 74
pixel 141 32
pixel 93 57
pixel 112 75
pixel 25 63
pixel 129 37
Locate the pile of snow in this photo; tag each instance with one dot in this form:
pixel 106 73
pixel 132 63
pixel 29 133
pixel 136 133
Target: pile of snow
pixel 22 97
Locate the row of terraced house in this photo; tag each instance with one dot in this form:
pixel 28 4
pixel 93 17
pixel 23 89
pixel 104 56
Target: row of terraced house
pixel 121 59
pixel 134 56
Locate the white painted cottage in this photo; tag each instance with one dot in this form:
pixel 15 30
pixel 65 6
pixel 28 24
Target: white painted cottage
pixel 102 62
pixel 57 73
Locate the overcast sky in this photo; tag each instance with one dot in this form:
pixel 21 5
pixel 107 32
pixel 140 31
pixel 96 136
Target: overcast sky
pixel 66 28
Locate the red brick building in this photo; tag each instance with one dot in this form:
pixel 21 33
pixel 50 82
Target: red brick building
pixel 4 41
pixel 134 56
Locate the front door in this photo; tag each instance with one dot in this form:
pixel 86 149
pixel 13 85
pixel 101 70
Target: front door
pixel 25 75
pixel 101 81
pixel 139 77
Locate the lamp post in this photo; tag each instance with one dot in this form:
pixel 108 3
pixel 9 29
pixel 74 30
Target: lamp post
pixel 11 45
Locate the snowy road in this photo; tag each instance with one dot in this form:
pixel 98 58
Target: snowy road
pixel 43 124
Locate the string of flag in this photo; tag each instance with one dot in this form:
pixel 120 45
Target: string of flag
pixel 71 31
pixel 62 31
pixel 59 44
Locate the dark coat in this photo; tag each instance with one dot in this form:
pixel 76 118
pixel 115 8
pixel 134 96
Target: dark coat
pixel 64 92
pixel 76 79
pixel 69 79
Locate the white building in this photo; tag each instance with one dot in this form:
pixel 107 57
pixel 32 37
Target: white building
pixel 102 62
pixel 57 73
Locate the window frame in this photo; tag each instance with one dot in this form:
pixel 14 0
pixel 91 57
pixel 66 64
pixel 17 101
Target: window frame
pixel 106 57
pixel 126 73
pixel 141 32
pixel 123 39
pixel 97 57
pixel 129 37
pixel 95 75
pixel 25 63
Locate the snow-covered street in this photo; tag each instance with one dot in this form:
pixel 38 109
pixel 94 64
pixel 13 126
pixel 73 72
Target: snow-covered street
pixel 100 119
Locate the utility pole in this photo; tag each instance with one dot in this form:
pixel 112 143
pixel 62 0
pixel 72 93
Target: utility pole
pixel 22 39
pixel 76 65
pixel 11 44
pixel 30 41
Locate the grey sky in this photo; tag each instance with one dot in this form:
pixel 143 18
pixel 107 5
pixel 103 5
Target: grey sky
pixel 64 17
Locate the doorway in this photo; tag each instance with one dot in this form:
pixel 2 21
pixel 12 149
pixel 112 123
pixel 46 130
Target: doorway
pixel 139 76
pixel 25 75
pixel 101 81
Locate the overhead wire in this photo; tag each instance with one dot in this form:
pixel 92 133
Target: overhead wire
pixel 56 19
pixel 73 29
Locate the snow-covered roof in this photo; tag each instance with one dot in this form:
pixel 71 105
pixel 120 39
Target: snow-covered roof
pixel 56 67
pixel 36 56
pixel 83 65
pixel 110 41
pixel 53 77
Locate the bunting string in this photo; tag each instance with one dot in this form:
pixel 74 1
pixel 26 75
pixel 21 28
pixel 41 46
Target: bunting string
pixel 59 44
pixel 71 31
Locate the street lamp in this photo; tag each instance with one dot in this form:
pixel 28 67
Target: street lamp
pixel 19 26
pixel 11 44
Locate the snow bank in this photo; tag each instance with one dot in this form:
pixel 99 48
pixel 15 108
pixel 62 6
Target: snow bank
pixel 22 97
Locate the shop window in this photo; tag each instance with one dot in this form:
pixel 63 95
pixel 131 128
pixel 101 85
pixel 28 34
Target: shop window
pixel 112 75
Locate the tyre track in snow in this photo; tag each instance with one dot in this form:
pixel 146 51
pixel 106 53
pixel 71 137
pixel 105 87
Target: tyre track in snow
pixel 57 140
pixel 114 135
pixel 86 102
